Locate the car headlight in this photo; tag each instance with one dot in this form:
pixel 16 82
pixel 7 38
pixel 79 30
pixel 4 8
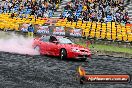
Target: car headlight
pixel 75 50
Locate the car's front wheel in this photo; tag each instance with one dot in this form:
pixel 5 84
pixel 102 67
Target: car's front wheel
pixel 37 50
pixel 63 54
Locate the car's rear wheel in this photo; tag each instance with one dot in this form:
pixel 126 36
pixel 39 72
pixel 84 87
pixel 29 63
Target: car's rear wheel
pixel 37 49
pixel 63 54
pixel 83 59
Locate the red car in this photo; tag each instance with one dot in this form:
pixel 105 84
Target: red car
pixel 60 46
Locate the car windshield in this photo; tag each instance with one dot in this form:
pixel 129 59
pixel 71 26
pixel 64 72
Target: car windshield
pixel 65 41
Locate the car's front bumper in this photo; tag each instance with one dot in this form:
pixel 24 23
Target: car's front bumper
pixel 79 55
pixel 82 56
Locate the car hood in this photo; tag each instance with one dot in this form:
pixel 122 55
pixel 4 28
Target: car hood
pixel 75 46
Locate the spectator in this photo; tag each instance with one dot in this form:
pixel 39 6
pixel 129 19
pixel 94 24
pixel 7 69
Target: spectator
pixel 12 15
pixel 30 30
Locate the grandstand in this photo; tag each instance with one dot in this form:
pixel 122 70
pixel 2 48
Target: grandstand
pixel 110 30
pixel 106 30
pixel 98 30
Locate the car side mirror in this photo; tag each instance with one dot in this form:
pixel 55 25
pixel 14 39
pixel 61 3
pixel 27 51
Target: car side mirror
pixel 56 42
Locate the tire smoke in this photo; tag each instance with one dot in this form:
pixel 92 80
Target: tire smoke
pixel 14 43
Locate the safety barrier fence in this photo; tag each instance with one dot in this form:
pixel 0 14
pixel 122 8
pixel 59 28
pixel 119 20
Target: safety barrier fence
pixel 96 30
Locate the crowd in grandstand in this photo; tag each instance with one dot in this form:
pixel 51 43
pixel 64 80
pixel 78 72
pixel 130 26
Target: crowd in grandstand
pixel 39 8
pixel 96 10
pixel 87 10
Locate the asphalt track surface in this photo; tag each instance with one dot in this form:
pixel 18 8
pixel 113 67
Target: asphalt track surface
pixel 33 71
pixel 26 71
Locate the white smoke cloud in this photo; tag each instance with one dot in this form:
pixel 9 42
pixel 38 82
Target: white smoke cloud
pixel 10 42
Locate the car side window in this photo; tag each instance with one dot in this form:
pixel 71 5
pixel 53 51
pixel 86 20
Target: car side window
pixel 52 38
pixel 45 39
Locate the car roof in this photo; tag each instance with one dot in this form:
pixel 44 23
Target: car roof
pixel 59 36
pixel 53 36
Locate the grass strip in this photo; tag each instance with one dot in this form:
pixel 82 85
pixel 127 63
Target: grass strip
pixel 100 47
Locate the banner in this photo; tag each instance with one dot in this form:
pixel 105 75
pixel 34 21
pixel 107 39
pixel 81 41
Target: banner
pixel 43 30
pixel 53 30
pixel 59 31
pixel 76 32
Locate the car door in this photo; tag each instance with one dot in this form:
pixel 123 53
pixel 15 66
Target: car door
pixel 44 44
pixel 52 47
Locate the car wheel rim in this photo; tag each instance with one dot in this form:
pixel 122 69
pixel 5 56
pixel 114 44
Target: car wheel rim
pixel 62 55
pixel 37 49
